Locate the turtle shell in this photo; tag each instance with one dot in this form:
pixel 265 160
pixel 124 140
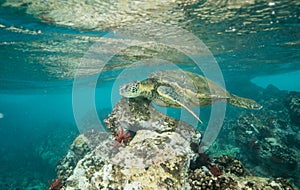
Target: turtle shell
pixel 194 89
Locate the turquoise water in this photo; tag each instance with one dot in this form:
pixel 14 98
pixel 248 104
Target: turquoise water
pixel 39 56
pixel 281 81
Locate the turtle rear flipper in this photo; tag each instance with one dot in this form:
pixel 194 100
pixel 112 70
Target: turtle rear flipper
pixel 168 93
pixel 243 102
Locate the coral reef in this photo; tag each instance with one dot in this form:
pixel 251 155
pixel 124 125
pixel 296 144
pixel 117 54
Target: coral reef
pixel 234 176
pixel 157 156
pixel 293 105
pixel 268 140
pixel 81 146
pixel 161 153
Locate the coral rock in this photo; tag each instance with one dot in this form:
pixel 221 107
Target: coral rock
pixel 293 104
pixel 161 154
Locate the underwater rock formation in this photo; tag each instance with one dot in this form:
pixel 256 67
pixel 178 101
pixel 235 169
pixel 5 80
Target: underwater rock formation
pixel 157 157
pixel 234 176
pixel 268 140
pixel 263 143
pixel 156 152
pixel 81 146
pixel 293 104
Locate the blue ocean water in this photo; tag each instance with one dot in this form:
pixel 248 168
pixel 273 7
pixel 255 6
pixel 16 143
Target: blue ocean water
pixel 282 81
pixel 37 60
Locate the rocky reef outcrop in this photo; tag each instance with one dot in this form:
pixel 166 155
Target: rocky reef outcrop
pixel 269 139
pixel 293 105
pixel 145 149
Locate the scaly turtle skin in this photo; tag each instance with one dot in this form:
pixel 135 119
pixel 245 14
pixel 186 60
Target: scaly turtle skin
pixel 176 88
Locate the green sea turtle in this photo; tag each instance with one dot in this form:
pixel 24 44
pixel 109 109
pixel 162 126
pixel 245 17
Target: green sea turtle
pixel 177 88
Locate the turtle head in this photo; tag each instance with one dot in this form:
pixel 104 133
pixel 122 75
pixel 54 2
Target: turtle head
pixel 131 89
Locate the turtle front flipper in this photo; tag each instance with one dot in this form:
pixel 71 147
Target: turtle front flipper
pixel 169 94
pixel 244 102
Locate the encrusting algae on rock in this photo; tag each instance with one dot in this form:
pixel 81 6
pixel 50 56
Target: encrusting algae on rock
pixel 161 153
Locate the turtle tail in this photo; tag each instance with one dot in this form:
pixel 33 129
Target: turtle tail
pixel 244 102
